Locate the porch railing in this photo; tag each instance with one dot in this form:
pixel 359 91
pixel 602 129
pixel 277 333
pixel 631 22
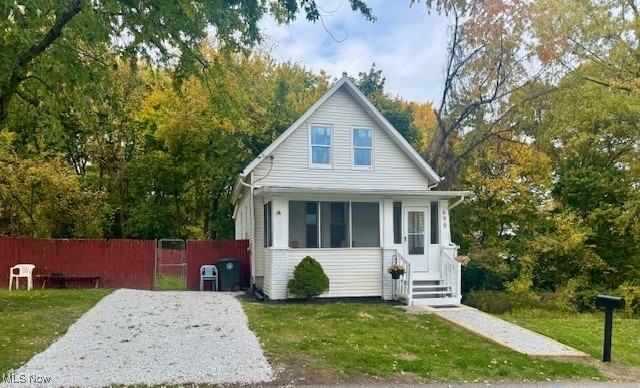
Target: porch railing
pixel 450 269
pixel 403 284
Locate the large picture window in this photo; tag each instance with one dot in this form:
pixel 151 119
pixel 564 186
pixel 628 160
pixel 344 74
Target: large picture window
pixel 320 145
pixel 333 224
pixel 362 147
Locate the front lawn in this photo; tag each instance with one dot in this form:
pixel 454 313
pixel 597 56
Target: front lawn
pixel 381 340
pixel 32 320
pixel 584 332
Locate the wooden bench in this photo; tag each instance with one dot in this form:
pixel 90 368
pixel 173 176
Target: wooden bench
pixel 63 279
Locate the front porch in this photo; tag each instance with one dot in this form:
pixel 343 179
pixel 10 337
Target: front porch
pixel 362 272
pixel 414 289
pixel 356 236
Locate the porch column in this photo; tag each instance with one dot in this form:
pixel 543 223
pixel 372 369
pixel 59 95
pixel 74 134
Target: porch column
pixel 388 250
pixel 279 270
pixel 445 222
pixel 280 209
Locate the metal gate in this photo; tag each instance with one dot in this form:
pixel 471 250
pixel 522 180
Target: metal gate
pixel 171 265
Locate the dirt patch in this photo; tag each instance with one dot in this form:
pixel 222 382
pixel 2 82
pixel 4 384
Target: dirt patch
pixel 298 373
pixel 617 372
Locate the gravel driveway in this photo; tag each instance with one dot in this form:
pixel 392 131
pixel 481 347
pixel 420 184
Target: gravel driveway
pixel 146 337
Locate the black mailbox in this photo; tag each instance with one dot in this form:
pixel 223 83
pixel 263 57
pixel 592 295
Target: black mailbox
pixel 610 302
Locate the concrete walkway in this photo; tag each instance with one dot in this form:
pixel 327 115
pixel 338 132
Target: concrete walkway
pixel 502 332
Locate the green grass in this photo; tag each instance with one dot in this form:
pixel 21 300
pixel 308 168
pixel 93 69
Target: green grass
pixel 585 332
pixel 171 283
pixel 381 340
pixel 32 320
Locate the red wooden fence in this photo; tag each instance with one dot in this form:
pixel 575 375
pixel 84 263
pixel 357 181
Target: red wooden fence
pixel 200 252
pixel 120 263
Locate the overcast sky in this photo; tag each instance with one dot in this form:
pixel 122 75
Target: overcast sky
pixel 407 44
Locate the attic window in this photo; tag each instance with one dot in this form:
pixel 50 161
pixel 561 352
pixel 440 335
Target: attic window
pixel 320 145
pixel 362 147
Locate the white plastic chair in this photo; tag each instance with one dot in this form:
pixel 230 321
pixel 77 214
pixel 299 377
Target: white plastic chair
pixel 209 272
pixel 21 271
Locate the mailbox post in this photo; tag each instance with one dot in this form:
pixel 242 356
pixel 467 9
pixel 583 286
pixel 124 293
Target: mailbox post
pixel 608 303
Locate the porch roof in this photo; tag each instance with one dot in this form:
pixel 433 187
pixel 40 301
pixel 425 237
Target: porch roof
pixel 428 194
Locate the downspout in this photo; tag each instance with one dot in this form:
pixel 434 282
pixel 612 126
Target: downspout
pixel 456 203
pixel 433 186
pixel 253 228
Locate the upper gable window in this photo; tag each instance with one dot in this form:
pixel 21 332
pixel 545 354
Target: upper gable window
pixel 320 145
pixel 362 147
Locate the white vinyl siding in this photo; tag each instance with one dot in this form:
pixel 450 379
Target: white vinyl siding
pixel 394 170
pixel 352 272
pixel 242 221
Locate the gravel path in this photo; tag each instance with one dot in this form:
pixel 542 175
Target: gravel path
pixel 146 337
pixel 506 333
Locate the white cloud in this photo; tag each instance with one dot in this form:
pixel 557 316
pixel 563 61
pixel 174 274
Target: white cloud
pixel 407 44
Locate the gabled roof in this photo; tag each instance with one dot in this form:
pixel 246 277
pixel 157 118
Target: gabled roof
pixel 363 101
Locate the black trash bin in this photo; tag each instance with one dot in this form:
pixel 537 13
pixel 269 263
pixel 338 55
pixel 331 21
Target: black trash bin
pixel 229 274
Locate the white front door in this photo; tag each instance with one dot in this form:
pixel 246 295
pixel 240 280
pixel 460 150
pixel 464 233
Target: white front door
pixel 416 239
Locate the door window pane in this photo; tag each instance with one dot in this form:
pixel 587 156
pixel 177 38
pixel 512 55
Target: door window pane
pixel 416 244
pixel 416 232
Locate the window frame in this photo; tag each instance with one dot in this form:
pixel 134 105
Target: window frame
pixel 354 147
pixel 310 146
pixel 267 225
pixel 324 224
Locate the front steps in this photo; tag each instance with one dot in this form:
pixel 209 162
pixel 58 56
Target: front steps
pixel 433 293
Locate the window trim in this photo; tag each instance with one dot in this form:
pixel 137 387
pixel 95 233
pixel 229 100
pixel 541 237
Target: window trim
pixel 330 147
pixel 354 147
pixel 349 224
pixel 267 225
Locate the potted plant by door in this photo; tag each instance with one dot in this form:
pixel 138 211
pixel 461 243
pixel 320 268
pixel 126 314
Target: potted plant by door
pixel 396 270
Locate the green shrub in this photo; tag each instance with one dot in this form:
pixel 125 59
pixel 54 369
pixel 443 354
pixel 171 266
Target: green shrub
pixel 585 298
pixel 493 302
pixel 631 295
pixel 309 279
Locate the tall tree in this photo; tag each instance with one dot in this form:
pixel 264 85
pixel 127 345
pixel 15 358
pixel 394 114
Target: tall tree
pixel 39 36
pixel 396 110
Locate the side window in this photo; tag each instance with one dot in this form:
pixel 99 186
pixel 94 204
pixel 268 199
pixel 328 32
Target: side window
pixel 397 222
pixel 320 145
pixel 435 225
pixel 363 147
pixel 267 225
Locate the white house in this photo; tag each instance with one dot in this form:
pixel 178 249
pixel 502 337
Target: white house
pixel 343 186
